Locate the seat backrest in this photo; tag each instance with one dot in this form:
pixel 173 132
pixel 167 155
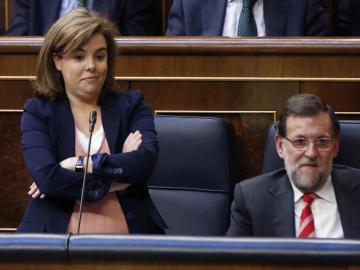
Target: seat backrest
pixel 349 152
pixel 192 183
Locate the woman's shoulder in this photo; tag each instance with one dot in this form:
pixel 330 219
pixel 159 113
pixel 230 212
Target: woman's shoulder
pixel 40 106
pixel 36 105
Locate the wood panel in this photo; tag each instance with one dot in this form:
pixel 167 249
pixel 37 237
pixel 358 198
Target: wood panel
pixel 13 93
pixel 166 5
pixel 14 178
pixel 2 17
pixel 7 10
pixel 216 95
pixel 342 96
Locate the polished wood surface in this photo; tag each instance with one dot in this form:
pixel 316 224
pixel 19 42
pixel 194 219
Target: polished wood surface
pixel 243 80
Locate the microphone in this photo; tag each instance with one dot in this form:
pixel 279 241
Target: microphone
pixel 92 121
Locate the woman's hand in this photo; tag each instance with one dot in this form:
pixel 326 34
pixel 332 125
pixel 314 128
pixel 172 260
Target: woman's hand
pixel 69 163
pixel 35 192
pixel 132 142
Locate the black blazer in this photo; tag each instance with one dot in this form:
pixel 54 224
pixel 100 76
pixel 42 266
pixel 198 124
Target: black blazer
pixel 264 206
pixel 282 18
pixel 48 137
pixel 132 17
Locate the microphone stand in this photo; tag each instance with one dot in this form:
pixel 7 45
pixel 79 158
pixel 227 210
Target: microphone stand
pixel 92 121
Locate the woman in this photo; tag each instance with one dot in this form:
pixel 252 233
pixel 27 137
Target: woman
pixel 75 76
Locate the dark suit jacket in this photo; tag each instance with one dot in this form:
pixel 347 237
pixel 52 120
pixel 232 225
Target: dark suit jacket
pixel 264 206
pixel 348 18
pixel 35 17
pixel 282 18
pixel 48 137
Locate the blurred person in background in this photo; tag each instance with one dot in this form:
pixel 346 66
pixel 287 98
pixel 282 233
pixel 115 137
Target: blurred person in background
pixel 132 17
pixel 247 18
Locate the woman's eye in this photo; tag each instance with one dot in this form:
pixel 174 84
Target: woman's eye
pixel 100 56
pixel 78 56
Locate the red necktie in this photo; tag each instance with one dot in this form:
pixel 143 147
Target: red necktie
pixel 307 227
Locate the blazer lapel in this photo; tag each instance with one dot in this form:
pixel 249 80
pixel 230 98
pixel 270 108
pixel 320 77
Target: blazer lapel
pixel 347 193
pixel 281 208
pixel 64 127
pixel 275 12
pixel 110 115
pixel 213 14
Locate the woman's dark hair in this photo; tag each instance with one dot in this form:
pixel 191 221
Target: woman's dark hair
pixel 67 35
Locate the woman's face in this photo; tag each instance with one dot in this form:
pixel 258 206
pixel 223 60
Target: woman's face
pixel 84 71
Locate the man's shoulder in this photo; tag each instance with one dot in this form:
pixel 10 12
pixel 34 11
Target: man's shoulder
pixel 264 181
pixel 343 170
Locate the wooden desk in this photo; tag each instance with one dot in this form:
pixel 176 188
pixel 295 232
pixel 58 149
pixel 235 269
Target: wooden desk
pixel 158 252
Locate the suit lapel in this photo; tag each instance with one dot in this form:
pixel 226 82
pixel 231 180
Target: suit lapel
pixel 281 208
pixel 64 127
pixel 213 14
pixel 347 198
pixel 110 115
pixel 275 12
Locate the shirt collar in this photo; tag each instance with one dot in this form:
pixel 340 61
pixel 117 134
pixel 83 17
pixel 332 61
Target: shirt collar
pixel 326 192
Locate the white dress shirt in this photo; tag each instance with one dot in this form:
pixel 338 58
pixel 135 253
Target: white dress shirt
pixel 324 209
pixel 68 5
pixel 233 11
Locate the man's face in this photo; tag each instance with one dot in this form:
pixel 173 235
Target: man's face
pixel 309 167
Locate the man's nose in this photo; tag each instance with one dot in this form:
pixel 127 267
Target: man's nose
pixel 311 150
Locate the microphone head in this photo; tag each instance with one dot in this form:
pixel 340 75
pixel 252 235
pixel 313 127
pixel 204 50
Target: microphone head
pixel 92 121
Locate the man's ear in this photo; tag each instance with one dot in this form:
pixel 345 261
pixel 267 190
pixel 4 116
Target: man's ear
pixel 279 146
pixel 336 146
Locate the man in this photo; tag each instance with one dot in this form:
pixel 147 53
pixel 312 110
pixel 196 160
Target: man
pixel 311 197
pixel 348 19
pixel 34 17
pixel 222 17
